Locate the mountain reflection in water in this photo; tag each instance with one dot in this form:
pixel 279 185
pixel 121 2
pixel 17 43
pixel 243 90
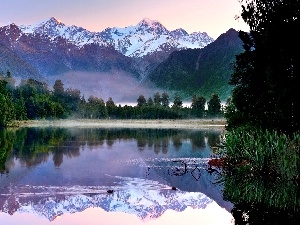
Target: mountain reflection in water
pixel 50 172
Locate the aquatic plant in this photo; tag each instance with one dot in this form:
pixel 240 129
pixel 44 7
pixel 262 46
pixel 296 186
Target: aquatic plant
pixel 263 152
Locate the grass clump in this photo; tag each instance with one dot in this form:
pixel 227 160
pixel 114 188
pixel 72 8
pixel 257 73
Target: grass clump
pixel 263 152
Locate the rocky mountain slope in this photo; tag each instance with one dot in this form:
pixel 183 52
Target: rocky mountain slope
pixel 200 71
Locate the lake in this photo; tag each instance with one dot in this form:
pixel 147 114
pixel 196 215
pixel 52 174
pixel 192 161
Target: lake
pixel 64 176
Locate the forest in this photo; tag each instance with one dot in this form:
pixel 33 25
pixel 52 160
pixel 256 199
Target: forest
pixel 32 99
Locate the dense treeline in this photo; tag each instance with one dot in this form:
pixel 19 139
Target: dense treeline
pixel 33 99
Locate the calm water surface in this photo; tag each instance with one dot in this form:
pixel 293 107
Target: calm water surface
pixel 61 176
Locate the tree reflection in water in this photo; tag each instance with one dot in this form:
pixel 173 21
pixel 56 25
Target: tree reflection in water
pixel 33 146
pixel 258 200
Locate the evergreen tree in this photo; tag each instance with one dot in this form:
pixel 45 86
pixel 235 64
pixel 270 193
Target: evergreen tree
pixel 110 102
pixel 177 102
pixel 165 99
pixel 111 107
pixel 19 104
pixel 7 113
pixel 141 101
pixel 58 88
pixel 150 102
pixel 198 105
pixel 72 100
pixel 214 105
pixel 266 93
pixel 157 99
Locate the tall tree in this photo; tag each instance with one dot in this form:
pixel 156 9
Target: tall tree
pixel 266 92
pixel 7 113
pixel 177 103
pixel 141 101
pixel 198 105
pixel 96 107
pixel 58 88
pixel 111 107
pixel 165 99
pixel 150 102
pixel 214 105
pixel 110 102
pixel 157 99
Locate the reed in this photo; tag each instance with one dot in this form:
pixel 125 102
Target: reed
pixel 262 167
pixel 263 152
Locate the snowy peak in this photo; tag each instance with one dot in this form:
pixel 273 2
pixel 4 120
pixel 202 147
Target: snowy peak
pixel 178 33
pixel 44 27
pixel 54 28
pixel 52 21
pixel 152 26
pixel 147 37
pixel 148 22
pixel 150 36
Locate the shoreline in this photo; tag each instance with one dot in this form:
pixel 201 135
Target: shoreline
pixel 129 123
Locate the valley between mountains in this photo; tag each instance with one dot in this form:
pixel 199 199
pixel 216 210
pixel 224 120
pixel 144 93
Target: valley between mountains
pixel 121 63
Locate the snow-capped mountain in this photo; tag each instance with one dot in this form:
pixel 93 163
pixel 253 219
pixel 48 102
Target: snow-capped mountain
pixel 46 48
pixel 52 49
pixel 146 37
pixel 54 29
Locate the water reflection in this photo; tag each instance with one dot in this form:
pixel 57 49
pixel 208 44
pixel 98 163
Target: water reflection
pixel 258 199
pixel 51 171
pixel 33 145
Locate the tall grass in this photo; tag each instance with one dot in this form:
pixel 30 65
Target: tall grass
pixel 264 152
pixel 263 167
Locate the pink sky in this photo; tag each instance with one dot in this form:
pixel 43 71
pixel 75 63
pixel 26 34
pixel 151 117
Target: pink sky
pixel 212 16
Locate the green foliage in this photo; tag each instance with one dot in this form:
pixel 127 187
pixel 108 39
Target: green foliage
pixel 111 107
pixel 157 99
pixel 58 88
pixel 262 170
pixel 7 114
pixel 32 99
pixel 6 146
pixel 96 108
pixel 263 200
pixel 198 105
pixel 150 102
pixel 165 99
pixel 264 79
pixel 177 103
pixel 201 71
pixel 214 106
pixel 141 101
pixel 269 154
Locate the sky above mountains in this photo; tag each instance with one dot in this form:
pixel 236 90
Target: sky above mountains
pixel 214 17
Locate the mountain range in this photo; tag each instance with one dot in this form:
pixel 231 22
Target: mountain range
pixel 51 50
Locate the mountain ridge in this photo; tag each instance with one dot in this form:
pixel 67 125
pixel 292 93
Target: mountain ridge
pixel 130 41
pixel 205 71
